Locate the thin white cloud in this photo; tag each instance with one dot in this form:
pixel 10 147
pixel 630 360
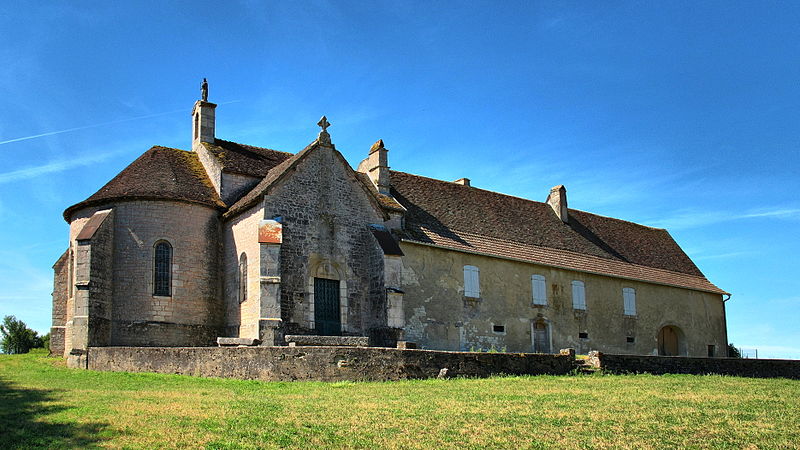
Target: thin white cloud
pixel 53 167
pixel 722 255
pixel 694 219
pixel 113 122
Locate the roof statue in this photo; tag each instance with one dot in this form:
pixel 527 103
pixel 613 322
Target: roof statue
pixel 324 137
pixel 204 90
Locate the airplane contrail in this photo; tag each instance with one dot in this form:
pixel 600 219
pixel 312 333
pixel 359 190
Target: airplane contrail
pixel 25 138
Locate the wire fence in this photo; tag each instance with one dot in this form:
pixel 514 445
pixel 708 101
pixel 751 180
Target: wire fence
pixel 750 353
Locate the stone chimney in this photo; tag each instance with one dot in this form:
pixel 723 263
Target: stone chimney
pixel 558 201
pixel 464 181
pixel 376 166
pixel 203 118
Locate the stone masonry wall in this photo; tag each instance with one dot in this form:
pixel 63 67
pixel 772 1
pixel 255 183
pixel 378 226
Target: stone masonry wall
pixel 60 295
pixel 193 314
pixel 326 213
pixel 439 316
pixel 322 363
pixel 234 186
pixel 241 236
pixel 657 365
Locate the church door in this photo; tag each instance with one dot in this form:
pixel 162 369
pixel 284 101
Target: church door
pixel 541 338
pixel 327 317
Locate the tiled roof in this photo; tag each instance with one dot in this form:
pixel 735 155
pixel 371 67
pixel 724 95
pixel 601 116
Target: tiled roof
pixel 245 159
pixel 161 173
pixel 470 219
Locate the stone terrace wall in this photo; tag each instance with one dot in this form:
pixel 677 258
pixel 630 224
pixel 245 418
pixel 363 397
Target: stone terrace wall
pixel 658 365
pixel 322 363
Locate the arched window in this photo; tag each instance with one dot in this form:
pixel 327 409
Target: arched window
pixel 578 295
pixel 162 269
pixel 539 289
pixel 472 283
pixel 242 278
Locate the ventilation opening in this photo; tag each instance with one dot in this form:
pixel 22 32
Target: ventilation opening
pixel 499 328
pixel 583 335
pixel 712 349
pixel 630 339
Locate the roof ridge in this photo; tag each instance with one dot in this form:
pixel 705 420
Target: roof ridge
pixel 526 199
pixel 248 145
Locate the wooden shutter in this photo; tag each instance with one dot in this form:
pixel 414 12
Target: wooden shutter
pixel 472 282
pixel 578 295
pixel 629 301
pixel 539 288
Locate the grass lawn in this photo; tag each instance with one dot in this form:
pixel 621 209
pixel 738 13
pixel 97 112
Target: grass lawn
pixel 44 404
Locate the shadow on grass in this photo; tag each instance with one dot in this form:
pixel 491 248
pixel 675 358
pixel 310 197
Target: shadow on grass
pixel 23 421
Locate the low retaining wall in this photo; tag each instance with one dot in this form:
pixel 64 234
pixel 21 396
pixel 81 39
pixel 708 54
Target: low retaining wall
pixel 658 365
pixel 321 363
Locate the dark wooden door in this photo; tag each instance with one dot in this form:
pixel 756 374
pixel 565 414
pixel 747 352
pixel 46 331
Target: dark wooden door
pixel 541 338
pixel 327 318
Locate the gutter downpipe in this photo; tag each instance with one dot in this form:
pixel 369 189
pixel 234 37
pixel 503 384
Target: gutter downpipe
pixel 725 321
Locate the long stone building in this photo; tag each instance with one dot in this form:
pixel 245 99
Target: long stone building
pixel 229 240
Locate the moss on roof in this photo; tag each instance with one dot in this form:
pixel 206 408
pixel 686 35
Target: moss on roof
pixel 161 173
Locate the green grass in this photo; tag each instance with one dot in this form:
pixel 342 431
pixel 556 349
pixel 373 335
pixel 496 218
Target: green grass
pixel 43 404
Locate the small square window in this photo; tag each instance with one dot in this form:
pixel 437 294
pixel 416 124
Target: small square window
pixel 630 339
pixel 499 328
pixel 712 350
pixel 583 335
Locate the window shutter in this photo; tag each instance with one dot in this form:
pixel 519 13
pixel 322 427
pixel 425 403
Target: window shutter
pixel 471 282
pixel 539 290
pixel 578 295
pixel 629 301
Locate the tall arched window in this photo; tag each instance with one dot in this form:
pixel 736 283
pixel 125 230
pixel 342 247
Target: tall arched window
pixel 162 269
pixel 242 278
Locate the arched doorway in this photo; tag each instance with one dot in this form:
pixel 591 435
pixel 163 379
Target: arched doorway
pixel 540 332
pixel 671 341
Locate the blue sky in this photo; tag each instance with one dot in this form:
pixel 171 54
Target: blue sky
pixel 678 115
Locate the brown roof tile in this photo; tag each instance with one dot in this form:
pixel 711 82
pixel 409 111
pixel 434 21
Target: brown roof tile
pixel 161 173
pixel 471 219
pixel 246 159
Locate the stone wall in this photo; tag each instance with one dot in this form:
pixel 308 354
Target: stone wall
pixel 60 295
pixel 439 316
pixel 241 236
pixel 194 307
pixel 322 363
pixel 235 185
pixel 657 365
pixel 326 212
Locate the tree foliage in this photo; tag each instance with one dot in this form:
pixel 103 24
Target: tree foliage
pixel 17 337
pixel 733 352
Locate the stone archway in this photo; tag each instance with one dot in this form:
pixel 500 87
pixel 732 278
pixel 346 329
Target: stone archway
pixel 671 341
pixel 325 279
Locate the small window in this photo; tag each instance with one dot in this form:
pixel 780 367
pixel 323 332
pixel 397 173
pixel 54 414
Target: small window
pixel 472 285
pixel 162 269
pixel 583 335
pixel 712 350
pixel 578 295
pixel 629 301
pixel 499 328
pixel 242 278
pixel 539 289
pixel 630 339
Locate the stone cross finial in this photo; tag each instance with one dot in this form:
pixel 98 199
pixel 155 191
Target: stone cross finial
pixel 204 90
pixel 324 137
pixel 324 124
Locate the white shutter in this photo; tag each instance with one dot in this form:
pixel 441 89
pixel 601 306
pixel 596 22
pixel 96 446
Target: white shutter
pixel 629 301
pixel 539 288
pixel 472 282
pixel 578 295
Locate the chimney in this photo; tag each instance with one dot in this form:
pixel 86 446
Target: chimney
pixel 464 181
pixel 558 201
pixel 376 166
pixel 203 118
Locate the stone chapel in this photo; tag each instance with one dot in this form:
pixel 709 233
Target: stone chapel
pixel 182 248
